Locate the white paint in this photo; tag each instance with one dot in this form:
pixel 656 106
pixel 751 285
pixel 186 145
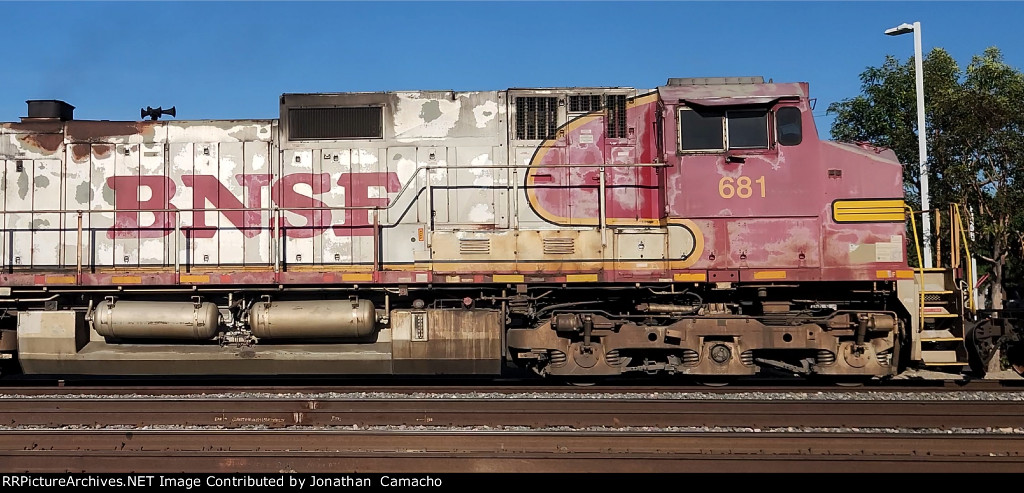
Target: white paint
pixel 213 133
pixel 483 176
pixel 409 125
pixel 406 168
pixel 484 113
pixel 481 213
pixel 151 250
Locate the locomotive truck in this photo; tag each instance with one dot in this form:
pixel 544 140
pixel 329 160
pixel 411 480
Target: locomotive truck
pixel 699 228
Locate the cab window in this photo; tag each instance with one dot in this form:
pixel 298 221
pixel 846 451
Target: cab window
pixel 701 130
pixel 790 128
pixel 706 129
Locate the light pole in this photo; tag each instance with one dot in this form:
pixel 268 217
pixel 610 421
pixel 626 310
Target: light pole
pixel 922 147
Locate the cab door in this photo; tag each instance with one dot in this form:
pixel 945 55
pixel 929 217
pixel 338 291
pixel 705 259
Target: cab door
pixel 763 209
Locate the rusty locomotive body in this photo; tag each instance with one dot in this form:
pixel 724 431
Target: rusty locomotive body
pixel 698 228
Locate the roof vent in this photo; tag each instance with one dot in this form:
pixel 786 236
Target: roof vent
pixel 50 109
pixel 714 81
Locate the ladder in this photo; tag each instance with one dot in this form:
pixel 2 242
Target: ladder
pixel 946 296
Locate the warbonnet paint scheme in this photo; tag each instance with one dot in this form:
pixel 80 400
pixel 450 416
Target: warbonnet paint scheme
pixel 700 227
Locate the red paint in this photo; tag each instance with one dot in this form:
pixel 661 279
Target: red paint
pixel 126 196
pixel 207 189
pixel 357 188
pixel 316 221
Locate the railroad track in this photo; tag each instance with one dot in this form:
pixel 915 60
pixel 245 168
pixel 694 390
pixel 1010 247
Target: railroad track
pixel 531 413
pixel 391 429
pixel 446 451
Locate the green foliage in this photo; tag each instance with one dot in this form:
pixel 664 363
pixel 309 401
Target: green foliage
pixel 975 129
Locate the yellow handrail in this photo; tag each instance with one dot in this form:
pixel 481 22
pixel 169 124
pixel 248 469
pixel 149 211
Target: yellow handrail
pixel 967 251
pixel 920 263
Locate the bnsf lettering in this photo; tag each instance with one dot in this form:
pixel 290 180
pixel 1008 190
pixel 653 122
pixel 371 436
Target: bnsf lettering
pixel 292 191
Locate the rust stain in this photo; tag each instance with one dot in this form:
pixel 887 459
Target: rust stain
pixel 80 151
pixel 102 150
pixel 92 131
pixel 35 127
pixel 47 142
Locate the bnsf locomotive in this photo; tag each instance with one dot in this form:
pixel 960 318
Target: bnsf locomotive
pixel 699 228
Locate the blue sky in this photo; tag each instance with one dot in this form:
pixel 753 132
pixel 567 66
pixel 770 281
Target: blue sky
pixel 233 60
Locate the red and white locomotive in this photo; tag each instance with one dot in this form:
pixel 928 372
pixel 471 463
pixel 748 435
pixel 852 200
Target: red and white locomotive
pixel 698 228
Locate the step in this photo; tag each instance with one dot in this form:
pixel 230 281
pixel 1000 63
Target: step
pixel 941 358
pixel 938 336
pixel 940 315
pixel 938 292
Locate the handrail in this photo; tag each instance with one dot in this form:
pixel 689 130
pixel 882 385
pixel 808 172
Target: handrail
pixel 920 263
pixel 967 251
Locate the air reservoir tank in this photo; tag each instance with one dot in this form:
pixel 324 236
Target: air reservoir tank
pixel 156 320
pixel 330 319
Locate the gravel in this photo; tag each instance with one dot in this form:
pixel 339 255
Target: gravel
pixel 861 395
pixel 529 430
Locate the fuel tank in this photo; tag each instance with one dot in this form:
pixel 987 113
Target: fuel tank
pixel 332 319
pixel 156 320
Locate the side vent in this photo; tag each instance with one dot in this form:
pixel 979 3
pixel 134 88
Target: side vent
pixel 357 122
pixel 584 103
pixel 475 245
pixel 536 118
pixel 616 116
pixel 559 246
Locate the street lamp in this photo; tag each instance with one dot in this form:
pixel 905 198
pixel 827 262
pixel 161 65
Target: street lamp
pixel 922 148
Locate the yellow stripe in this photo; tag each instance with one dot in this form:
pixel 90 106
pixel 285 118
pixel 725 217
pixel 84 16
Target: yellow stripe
pixel 194 278
pixel 60 280
pixel 690 277
pixel 770 274
pixel 904 274
pixel 868 210
pixel 508 278
pixel 126 279
pixel 581 278
pixel 357 277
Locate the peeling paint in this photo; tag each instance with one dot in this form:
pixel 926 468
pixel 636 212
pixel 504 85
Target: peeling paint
pixel 23 185
pixel 430 111
pixel 484 113
pixel 83 193
pixel 108 195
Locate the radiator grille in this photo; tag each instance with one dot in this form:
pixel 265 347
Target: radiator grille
pixel 475 245
pixel 584 102
pixel 363 122
pixel 616 116
pixel 559 246
pixel 536 118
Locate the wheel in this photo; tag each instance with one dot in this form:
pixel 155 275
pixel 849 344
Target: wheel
pixel 980 348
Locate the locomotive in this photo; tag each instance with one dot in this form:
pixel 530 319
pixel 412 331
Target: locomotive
pixel 699 228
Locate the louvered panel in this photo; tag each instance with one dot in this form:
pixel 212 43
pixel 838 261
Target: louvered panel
pixel 616 116
pixel 475 246
pixel 559 246
pixel 536 118
pixel 584 102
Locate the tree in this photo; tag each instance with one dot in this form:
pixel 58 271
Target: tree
pixel 975 125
